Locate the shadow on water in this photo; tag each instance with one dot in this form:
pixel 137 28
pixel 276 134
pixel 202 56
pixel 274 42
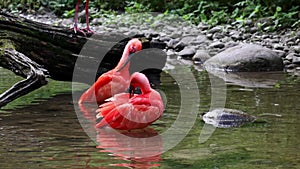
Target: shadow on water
pixel 47 134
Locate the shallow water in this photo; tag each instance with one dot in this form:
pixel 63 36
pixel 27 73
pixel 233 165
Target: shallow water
pixel 45 130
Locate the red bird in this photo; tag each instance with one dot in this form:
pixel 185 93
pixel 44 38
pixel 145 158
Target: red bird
pixel 87 29
pixel 132 111
pixel 114 81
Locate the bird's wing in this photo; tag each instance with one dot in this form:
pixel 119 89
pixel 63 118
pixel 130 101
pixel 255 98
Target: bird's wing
pixel 90 94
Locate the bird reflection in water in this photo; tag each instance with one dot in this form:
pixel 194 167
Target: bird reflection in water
pixel 139 148
pixel 142 148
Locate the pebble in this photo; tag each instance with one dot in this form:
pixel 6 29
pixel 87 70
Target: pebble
pixel 187 52
pixel 172 43
pixel 217 44
pixel 188 39
pixel 296 60
pixel 281 53
pixel 290 56
pixel 201 38
pixel 215 29
pixel 218 35
pixel 278 46
pixel 290 66
pixel 286 62
pixel 179 46
pixel 201 56
pixel 296 48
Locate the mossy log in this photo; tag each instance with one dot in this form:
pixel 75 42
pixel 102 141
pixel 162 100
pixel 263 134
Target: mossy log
pixel 36 51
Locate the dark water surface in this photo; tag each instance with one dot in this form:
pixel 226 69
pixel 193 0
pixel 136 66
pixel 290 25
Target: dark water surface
pixel 42 130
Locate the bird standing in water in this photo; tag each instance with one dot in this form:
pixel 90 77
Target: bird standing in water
pixel 87 29
pixel 114 81
pixel 126 111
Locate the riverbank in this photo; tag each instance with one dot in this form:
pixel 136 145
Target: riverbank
pixel 194 43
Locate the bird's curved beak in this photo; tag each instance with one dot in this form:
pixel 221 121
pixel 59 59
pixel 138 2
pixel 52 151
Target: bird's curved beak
pixel 131 91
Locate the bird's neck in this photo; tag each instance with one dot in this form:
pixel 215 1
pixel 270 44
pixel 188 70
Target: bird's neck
pixel 145 88
pixel 123 61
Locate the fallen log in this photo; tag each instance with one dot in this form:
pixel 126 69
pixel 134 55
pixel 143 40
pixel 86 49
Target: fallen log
pixel 36 51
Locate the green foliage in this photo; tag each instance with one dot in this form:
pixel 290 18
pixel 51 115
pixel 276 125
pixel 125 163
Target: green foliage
pixel 135 7
pixel 282 13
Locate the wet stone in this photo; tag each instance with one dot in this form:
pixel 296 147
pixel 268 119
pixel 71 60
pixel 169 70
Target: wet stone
pixel 215 29
pixel 187 52
pixel 217 44
pixel 278 47
pixel 202 26
pixel 176 34
pixel 296 48
pixel 172 43
pixel 209 36
pixel 280 53
pixel 201 38
pixel 179 46
pixel 218 35
pixel 296 60
pixel 201 56
pixel 290 66
pixel 164 39
pixel 290 56
pixel 286 62
pixel 246 58
pixel 187 39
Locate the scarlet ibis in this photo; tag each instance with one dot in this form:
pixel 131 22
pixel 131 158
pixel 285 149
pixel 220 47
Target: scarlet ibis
pixel 132 111
pixel 114 81
pixel 87 29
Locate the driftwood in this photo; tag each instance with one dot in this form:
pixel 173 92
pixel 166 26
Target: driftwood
pixel 36 51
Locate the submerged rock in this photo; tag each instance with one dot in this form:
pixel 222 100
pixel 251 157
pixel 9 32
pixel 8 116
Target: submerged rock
pixel 246 58
pixel 226 118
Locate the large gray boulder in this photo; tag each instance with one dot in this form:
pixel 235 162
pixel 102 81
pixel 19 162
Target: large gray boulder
pixel 245 58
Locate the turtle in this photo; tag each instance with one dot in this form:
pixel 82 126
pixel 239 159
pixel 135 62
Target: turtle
pixel 227 118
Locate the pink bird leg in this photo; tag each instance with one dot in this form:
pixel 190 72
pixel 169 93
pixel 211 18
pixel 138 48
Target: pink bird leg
pixel 87 29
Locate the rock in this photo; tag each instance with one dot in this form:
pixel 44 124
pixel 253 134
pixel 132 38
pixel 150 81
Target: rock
pixel 217 44
pixel 201 56
pixel 231 44
pixel 296 60
pixel 188 39
pixel 265 36
pixel 280 53
pixel 245 58
pixel 187 52
pixel 290 66
pixel 253 30
pixel 218 35
pixel 290 56
pixel 286 62
pixel 202 26
pixel 235 35
pixel 164 39
pixel 176 34
pixel 172 43
pixel 209 36
pixel 296 48
pixel 278 46
pixel 179 46
pixel 170 53
pixel 201 38
pixel 215 29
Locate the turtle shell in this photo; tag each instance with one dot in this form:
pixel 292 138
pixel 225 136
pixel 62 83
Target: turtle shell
pixel 226 118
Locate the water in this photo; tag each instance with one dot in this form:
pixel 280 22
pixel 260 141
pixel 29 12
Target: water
pixel 41 130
